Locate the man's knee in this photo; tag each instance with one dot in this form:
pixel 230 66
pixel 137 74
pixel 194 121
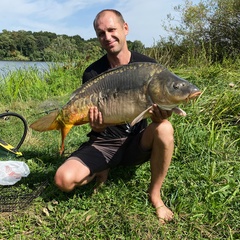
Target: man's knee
pixel 158 132
pixel 71 174
pixel 63 180
pixel 164 132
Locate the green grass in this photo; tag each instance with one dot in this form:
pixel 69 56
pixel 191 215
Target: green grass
pixel 202 185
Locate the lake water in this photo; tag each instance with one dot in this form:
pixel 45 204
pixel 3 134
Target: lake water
pixel 9 66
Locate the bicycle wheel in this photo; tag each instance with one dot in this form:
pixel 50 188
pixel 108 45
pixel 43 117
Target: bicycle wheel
pixel 12 120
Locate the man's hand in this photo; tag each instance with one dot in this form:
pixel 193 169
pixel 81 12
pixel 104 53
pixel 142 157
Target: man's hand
pixel 96 120
pixel 158 115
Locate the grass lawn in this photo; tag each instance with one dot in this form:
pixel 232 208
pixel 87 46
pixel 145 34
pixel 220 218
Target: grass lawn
pixel 202 185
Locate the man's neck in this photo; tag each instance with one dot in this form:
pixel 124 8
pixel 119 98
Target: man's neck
pixel 120 59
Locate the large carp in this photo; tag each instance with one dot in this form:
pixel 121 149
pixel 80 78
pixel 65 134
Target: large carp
pixel 124 95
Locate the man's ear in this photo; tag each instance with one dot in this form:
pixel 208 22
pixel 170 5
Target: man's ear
pixel 126 28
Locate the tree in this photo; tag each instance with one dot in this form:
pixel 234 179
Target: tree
pixel 61 49
pixel 7 45
pixel 78 40
pixel 136 46
pixel 224 28
pixel 212 26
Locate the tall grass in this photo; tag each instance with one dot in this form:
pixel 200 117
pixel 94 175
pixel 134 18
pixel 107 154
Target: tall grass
pixel 202 185
pixel 27 84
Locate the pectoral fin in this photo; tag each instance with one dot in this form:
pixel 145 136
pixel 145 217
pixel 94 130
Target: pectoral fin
pixel 141 116
pixel 179 111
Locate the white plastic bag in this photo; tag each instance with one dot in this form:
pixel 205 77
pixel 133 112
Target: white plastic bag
pixel 12 171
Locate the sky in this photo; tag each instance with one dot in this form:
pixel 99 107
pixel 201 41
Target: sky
pixel 74 17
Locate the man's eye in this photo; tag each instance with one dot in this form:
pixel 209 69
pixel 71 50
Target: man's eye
pixel 101 34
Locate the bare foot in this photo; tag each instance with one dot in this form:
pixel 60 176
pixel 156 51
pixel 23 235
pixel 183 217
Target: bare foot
pixel 164 214
pixel 101 178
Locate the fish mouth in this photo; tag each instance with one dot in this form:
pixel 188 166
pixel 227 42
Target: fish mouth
pixel 193 95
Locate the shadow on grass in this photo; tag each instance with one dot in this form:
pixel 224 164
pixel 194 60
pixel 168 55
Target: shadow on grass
pixel 44 175
pixel 124 174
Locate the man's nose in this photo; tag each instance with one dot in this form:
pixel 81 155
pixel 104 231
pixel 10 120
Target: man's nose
pixel 107 35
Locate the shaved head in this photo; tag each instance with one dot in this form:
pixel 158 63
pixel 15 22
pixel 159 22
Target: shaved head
pixel 117 13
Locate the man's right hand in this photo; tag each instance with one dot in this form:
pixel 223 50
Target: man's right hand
pixel 96 120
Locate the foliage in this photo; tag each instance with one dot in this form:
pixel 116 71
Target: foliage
pixel 136 46
pixel 202 185
pixel 208 31
pixel 61 50
pixel 46 46
pixel 210 27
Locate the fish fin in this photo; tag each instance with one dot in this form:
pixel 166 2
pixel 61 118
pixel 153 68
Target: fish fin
pixel 46 123
pixel 64 131
pixel 179 111
pixel 141 116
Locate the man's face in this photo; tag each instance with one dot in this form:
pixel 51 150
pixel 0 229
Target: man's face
pixel 111 32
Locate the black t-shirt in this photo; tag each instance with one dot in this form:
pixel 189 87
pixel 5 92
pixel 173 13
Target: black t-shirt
pixel 99 67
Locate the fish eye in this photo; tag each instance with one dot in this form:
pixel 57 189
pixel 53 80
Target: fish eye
pixel 178 85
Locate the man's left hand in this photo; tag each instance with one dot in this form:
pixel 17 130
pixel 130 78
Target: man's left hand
pixel 158 115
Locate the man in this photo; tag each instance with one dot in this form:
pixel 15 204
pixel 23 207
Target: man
pixel 110 146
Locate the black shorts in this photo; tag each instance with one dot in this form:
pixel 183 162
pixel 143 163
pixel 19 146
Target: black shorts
pixel 99 154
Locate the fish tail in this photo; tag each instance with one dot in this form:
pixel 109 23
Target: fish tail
pixel 47 123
